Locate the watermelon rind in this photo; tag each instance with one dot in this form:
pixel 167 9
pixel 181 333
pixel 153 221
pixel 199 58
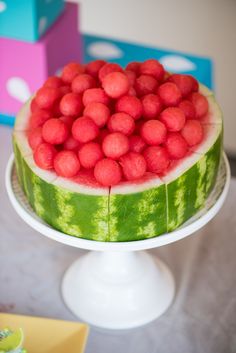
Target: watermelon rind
pixel 128 211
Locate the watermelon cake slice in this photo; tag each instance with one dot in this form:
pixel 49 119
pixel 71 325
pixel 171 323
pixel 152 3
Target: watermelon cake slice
pixel 111 154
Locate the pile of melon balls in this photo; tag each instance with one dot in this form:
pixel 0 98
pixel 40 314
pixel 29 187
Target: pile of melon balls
pixel 118 123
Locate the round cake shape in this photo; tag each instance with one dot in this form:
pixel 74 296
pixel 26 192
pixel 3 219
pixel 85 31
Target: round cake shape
pixel 148 207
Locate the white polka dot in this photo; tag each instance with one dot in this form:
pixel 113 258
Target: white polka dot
pixel 42 25
pixel 177 63
pixel 3 6
pixel 18 88
pixel 104 50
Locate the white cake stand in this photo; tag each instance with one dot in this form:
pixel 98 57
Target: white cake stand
pixel 115 286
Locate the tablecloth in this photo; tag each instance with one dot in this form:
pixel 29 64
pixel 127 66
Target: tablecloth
pixel 201 319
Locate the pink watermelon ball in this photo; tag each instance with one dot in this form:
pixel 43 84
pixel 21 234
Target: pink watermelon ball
pixel 132 92
pixel 121 122
pixel 46 97
pixel 68 120
pixel 153 68
pixel 176 145
pixel 129 105
pixel 153 132
pixel 84 130
pixel 71 104
pixel 173 118
pixel 107 69
pixel 82 82
pixel 200 104
pixel 185 83
pixel 71 144
pixel 145 84
pixel 66 164
pixel 136 143
pixel 133 66
pixel 169 93
pixel 53 81
pixel 97 95
pixel 55 131
pixel 98 112
pixel 64 90
pixel 89 154
pixel 157 159
pixel 115 145
pixel 44 155
pixel 93 67
pixel 192 132
pixel 133 165
pixel 152 106
pixel 70 71
pixel 107 172
pixel 131 75
pixel 116 84
pixel 35 137
pixel 38 118
pixel 188 108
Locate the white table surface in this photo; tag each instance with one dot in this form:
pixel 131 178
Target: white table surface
pixel 202 318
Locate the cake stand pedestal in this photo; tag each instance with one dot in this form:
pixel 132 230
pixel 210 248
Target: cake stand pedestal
pixel 115 286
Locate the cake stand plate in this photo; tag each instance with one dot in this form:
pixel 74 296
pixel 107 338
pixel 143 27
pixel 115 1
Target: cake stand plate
pixel 115 286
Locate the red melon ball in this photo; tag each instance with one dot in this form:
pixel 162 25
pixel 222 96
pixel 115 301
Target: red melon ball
pixel 133 165
pixel 169 93
pixel 185 83
pixel 38 118
pixel 200 104
pixel 107 69
pixel 192 132
pixel 44 155
pixel 176 145
pixel 188 108
pixel 153 68
pixel 145 84
pixel 70 71
pixel 131 75
pixel 46 97
pixel 157 159
pixel 173 118
pixel 93 67
pixel 53 81
pixel 130 105
pixel 66 164
pixel 136 143
pixel 133 66
pixel 89 154
pixel 152 106
pixel 55 131
pixel 68 120
pixel 71 144
pixel 84 129
pixel 82 82
pixel 97 95
pixel 115 84
pixel 98 112
pixel 107 172
pixel 115 145
pixel 121 122
pixel 35 137
pixel 71 104
pixel 153 132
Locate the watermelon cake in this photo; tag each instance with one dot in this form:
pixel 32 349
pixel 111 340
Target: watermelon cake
pixel 112 154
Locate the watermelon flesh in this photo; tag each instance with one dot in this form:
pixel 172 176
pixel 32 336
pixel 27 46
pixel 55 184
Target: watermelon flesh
pixel 131 210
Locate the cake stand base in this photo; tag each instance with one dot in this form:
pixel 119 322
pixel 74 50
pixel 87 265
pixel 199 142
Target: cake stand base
pixel 118 290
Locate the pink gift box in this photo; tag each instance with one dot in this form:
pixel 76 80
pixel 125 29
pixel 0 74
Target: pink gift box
pixel 25 66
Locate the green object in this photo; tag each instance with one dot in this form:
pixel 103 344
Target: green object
pixel 133 210
pixel 11 341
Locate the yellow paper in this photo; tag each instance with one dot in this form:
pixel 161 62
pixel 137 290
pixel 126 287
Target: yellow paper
pixel 46 335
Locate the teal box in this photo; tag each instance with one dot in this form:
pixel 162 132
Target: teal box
pixel 28 20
